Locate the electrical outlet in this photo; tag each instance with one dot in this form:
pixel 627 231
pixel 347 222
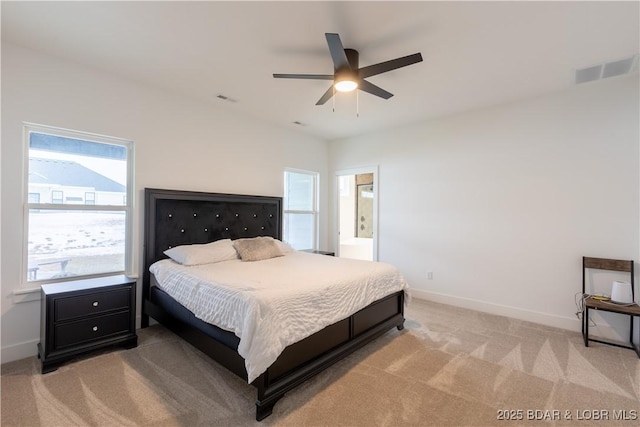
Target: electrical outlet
pixel 430 275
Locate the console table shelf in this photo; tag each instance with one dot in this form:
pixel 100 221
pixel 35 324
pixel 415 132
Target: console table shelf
pixel 590 303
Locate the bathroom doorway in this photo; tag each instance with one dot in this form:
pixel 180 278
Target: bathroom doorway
pixel 357 213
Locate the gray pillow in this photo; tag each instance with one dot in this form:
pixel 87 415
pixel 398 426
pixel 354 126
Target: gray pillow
pixel 257 248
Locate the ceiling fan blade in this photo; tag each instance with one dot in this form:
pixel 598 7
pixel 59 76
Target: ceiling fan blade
pixel 304 76
pixel 373 89
pixel 383 67
pixel 327 96
pixel 337 51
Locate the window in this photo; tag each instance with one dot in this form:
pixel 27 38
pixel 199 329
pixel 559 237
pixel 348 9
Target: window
pixel 79 199
pixel 56 195
pixel 90 198
pixel 34 197
pixel 301 209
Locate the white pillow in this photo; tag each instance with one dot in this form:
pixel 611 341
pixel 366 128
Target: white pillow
pixel 284 246
pixel 257 248
pixel 220 250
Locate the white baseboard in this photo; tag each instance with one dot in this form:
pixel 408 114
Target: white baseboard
pixel 26 349
pixel 601 329
pixel 569 323
pixel 19 351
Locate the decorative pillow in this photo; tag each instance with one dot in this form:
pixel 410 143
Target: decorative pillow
pixel 257 248
pixel 220 250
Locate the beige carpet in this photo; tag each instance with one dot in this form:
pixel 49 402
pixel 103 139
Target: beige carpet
pixel 448 367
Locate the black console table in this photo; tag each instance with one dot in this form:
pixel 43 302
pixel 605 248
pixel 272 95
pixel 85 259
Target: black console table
pixel 592 303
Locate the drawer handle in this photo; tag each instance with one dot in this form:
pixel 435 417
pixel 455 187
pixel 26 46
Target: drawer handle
pixel 95 329
pixel 95 303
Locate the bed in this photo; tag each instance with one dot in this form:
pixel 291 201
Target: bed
pixel 174 218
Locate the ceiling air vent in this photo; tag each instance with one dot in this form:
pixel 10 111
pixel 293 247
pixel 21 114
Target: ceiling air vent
pixel 617 68
pixel 588 74
pixel 608 69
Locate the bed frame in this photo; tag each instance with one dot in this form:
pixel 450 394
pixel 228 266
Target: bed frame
pixel 182 217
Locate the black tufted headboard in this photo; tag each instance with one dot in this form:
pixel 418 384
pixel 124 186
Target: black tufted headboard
pixel 174 217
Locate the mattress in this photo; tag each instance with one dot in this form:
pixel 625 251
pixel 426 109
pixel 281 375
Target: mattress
pixel 273 303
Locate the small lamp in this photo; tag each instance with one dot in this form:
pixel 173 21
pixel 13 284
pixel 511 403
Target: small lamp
pixel 621 293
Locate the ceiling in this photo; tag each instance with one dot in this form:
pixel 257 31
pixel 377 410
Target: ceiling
pixel 476 54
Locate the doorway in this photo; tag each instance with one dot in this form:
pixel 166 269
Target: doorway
pixel 357 219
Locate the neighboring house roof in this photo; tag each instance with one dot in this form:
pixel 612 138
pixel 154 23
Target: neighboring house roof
pixel 67 173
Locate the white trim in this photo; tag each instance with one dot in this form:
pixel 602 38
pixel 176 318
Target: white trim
pixel 23 291
pixel 21 295
pixel 130 257
pixel 336 204
pixel 63 207
pixel 295 211
pixel 569 323
pixel 69 133
pixel 19 351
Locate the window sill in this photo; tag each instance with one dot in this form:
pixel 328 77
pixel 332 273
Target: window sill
pixel 26 295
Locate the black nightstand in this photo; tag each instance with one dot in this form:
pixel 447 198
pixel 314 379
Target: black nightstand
pixel 85 315
pixel 312 251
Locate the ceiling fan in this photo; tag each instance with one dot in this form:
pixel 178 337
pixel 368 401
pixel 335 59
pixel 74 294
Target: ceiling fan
pixel 347 76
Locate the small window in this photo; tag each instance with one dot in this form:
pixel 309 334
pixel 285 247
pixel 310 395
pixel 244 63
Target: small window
pixel 56 196
pixel 78 219
pixel 301 209
pixel 90 198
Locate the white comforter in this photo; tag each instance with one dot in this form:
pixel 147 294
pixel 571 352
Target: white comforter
pixel 274 303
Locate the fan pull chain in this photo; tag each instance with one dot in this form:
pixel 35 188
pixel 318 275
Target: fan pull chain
pixel 334 99
pixel 357 103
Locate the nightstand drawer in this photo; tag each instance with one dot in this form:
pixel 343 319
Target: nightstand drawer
pixel 96 303
pixel 74 333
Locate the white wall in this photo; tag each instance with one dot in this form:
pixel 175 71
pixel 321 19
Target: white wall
pixel 180 143
pixel 502 203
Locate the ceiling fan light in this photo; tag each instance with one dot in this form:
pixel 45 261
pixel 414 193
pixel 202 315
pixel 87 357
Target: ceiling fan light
pixel 345 85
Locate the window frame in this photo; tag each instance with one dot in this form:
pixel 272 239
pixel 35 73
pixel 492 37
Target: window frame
pixel 316 203
pixel 127 208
